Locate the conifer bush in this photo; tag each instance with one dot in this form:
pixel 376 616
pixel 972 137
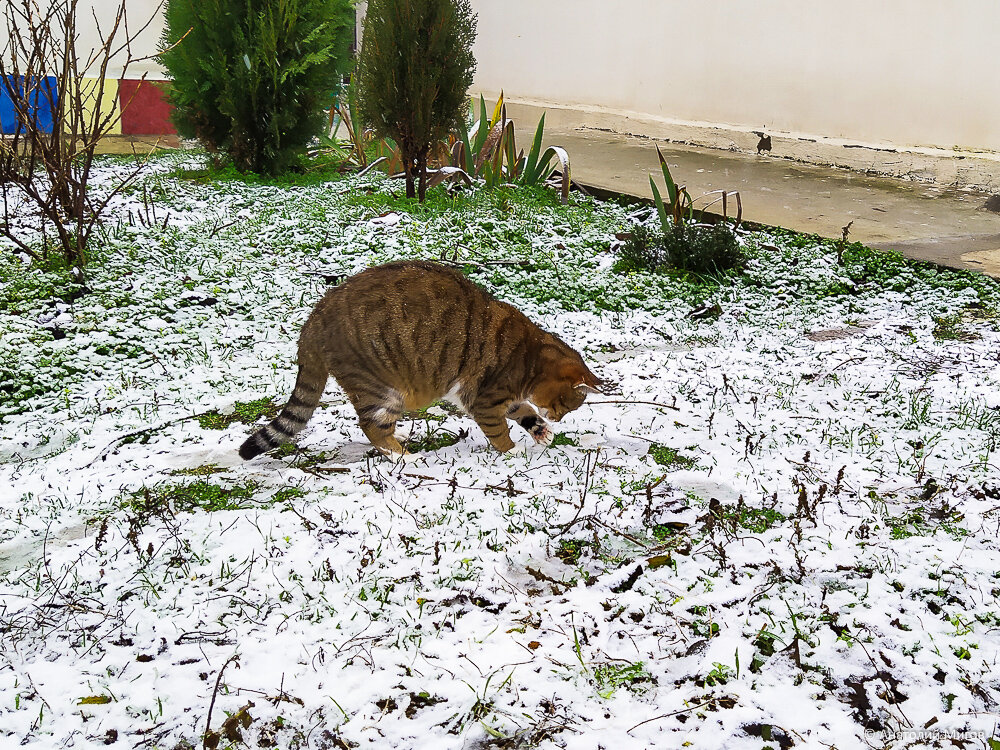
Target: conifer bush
pixel 414 72
pixel 250 77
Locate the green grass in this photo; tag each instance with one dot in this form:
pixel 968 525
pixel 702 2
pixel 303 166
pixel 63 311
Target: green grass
pixel 197 471
pixel 610 677
pixel 287 494
pixel 561 438
pixel 921 521
pixel 435 439
pixel 308 172
pixel 950 328
pixel 864 268
pixel 246 412
pixel 201 495
pixel 192 496
pixel 23 286
pixel 19 384
pixel 754 520
pixel 569 550
pixel 669 457
pixel 663 532
pixel 758 520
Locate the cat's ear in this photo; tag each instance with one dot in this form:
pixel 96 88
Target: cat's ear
pixel 583 387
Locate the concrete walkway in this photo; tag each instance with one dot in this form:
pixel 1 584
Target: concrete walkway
pixel 925 222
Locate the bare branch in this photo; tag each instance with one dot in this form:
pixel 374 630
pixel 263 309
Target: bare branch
pixel 49 163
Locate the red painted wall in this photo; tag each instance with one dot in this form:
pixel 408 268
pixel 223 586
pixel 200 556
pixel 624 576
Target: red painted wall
pixel 145 110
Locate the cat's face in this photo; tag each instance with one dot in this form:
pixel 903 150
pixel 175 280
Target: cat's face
pixel 565 391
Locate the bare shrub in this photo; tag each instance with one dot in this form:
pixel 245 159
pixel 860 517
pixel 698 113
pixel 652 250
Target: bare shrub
pixel 56 91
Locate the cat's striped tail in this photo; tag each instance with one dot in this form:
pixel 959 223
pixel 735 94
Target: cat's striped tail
pixel 309 387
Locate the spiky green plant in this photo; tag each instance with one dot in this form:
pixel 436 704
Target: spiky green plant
pixel 483 147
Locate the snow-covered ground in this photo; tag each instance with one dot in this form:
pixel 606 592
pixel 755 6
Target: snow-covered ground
pixel 779 530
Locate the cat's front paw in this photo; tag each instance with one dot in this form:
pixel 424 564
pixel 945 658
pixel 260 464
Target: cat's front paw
pixel 541 433
pixel 537 427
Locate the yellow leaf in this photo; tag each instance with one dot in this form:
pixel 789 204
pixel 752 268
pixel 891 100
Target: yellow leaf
pixel 94 700
pixel 497 110
pixel 658 561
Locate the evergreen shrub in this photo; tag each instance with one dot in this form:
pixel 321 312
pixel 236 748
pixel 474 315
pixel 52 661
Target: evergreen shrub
pixel 414 71
pixel 251 77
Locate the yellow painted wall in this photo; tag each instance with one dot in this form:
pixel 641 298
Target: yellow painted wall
pixel 109 102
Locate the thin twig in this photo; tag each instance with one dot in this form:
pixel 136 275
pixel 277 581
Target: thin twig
pixel 646 403
pixel 672 713
pixel 211 705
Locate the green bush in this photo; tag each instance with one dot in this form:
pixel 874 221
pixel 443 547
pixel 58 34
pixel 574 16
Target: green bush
pixel 414 71
pixel 695 248
pixel 251 77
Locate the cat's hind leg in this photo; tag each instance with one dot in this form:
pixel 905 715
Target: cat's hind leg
pixel 378 411
pixel 525 415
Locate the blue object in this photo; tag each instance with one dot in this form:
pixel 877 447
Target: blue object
pixel 7 117
pixel 44 97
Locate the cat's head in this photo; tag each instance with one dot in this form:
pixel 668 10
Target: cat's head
pixel 563 388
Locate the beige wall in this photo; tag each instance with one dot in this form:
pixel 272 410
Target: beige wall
pixel 917 76
pixel 96 18
pixel 900 73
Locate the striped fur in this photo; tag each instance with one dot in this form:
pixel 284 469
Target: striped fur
pixel 403 335
pixel 309 387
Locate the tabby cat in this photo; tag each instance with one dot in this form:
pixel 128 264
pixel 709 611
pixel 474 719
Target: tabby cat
pixel 402 335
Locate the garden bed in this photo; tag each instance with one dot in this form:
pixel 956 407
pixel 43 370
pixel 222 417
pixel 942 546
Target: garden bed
pixel 779 529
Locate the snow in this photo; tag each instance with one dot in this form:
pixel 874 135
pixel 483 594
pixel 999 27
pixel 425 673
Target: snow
pixel 579 596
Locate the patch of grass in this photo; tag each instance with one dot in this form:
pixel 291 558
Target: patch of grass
pixel 198 495
pixel 919 404
pixel 669 457
pixel 866 268
pixel 435 439
pixel 436 203
pixel 663 532
pixel 569 550
pixel 284 450
pixel 759 520
pixel 561 438
pixel 19 384
pixel 950 328
pixel 246 412
pixel 610 677
pixel 286 494
pixel 484 207
pixel 302 458
pixel 23 286
pixel 976 413
pixel 881 267
pixel 922 521
pixel 308 171
pixel 197 471
pixel 754 520
pixel 432 416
